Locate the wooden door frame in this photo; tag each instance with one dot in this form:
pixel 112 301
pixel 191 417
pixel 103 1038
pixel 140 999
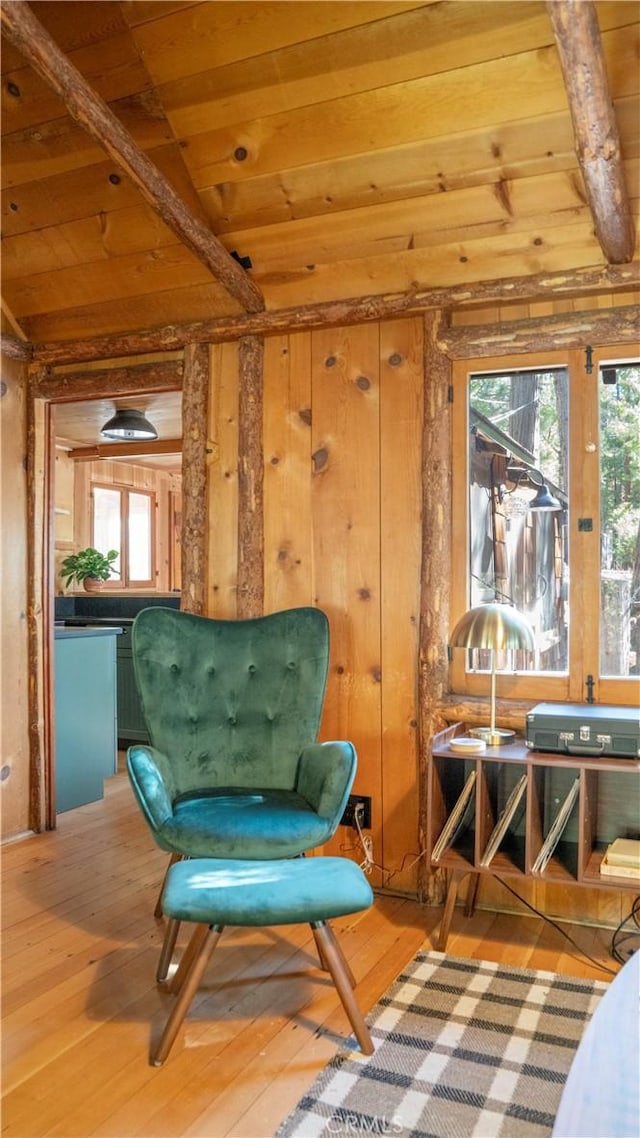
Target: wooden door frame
pixel 43 392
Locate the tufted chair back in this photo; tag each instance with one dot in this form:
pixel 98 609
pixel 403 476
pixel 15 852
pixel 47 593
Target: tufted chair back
pixel 233 702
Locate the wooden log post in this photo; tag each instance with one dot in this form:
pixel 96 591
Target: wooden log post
pixel 39 616
pixel 435 568
pixel 195 409
pixel 250 600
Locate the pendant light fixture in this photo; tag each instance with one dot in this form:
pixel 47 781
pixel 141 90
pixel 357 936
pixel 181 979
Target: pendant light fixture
pixel 128 423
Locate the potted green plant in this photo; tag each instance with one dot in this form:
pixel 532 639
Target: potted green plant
pixel 89 567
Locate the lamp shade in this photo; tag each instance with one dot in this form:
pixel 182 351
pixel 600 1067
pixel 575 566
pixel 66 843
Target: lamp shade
pixel 129 424
pixel 493 625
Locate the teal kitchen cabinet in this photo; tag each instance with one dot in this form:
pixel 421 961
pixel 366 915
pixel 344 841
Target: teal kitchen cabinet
pixel 86 729
pixel 131 725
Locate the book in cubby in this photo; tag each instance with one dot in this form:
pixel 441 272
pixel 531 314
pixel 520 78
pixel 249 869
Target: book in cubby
pixel 622 859
pixel 611 797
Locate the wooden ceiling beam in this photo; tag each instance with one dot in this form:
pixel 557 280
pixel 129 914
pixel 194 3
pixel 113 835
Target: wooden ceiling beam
pixel 542 334
pixel 132 449
pixel 16 349
pixel 132 379
pixel 337 313
pixel 28 35
pixel 577 34
pixel 13 323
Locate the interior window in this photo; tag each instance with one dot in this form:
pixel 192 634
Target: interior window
pixel 123 520
pixel 139 535
pixel 107 524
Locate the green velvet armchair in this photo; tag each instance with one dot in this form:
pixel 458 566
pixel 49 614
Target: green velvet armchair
pixel 233 710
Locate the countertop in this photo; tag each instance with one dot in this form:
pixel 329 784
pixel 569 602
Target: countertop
pixel 68 631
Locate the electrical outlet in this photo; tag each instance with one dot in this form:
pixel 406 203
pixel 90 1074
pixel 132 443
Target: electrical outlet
pixel 364 817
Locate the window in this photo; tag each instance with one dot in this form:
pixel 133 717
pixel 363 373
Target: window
pixel 546 489
pixel 620 520
pixel 123 519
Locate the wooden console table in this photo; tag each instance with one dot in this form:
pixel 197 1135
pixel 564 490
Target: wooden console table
pixel 472 796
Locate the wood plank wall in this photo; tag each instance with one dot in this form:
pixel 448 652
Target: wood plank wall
pixel 14 765
pixel 342 428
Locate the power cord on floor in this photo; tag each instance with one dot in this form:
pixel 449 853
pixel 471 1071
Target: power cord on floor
pixel 558 928
pixel 622 936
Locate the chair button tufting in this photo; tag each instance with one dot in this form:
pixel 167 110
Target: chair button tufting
pixel 211 670
pixel 251 668
pixel 174 668
pixel 291 666
pixel 232 720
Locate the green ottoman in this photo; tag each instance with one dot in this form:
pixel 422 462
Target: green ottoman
pixel 214 892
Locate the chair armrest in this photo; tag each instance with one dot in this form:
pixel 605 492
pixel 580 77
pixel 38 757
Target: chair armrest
pixel 325 777
pixel 152 781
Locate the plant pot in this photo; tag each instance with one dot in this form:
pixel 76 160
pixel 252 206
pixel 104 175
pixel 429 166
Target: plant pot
pixel 93 584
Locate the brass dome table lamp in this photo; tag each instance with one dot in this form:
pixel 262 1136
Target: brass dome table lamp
pixel 495 627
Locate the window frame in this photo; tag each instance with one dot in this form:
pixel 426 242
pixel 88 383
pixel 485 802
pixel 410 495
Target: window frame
pixel 124 581
pixel 584 547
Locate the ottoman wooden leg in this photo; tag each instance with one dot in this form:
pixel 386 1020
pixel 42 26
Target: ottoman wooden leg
pixel 337 965
pixel 187 992
pixel 157 912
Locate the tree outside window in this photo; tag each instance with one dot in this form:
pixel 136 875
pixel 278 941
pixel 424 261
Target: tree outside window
pixel 552 424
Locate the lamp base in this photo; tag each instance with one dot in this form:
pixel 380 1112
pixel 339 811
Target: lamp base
pixel 493 738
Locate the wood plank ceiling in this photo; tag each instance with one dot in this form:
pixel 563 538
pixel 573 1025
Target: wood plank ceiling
pixel 346 148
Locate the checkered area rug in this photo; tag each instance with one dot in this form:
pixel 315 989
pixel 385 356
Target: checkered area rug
pixel 463 1049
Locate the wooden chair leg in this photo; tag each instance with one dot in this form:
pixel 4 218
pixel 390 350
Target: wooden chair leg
pixel 157 912
pixel 187 992
pixel 330 933
pixel 166 952
pixel 338 968
pixel 186 960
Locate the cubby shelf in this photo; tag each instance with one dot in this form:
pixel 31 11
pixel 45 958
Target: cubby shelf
pixel 516 797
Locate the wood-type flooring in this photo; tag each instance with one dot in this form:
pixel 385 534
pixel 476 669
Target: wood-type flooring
pixel 80 1004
